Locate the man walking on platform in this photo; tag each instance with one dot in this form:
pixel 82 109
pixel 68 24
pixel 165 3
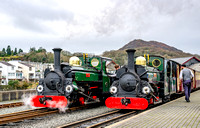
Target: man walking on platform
pixel 186 77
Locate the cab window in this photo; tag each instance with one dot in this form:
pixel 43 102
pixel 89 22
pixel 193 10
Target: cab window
pixel 110 67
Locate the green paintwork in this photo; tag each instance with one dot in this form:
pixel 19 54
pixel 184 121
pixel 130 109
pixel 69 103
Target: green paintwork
pixel 96 70
pixel 74 83
pixel 81 76
pixel 106 79
pixel 152 58
pixel 87 62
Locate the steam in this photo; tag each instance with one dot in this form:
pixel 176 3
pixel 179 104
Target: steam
pixel 60 105
pixel 27 99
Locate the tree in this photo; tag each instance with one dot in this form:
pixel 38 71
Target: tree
pixel 8 50
pixel 15 52
pixel 13 84
pixel 32 49
pixel 41 49
pixel 20 50
pixel 3 52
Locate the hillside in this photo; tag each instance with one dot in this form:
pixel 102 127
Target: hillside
pixel 146 47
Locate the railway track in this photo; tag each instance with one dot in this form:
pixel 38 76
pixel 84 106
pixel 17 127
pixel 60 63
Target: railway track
pixel 100 120
pixel 10 105
pixel 29 114
pixel 20 116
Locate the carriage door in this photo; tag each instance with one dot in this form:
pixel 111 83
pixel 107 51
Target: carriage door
pixel 166 78
pixel 178 88
pixel 169 75
pixel 174 77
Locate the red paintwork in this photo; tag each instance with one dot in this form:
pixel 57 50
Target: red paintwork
pixel 94 87
pixel 151 101
pixel 81 100
pixel 136 103
pixel 56 102
pixel 157 98
pixel 87 74
pixel 94 97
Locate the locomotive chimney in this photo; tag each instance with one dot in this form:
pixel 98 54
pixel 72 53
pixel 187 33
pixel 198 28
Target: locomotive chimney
pixel 131 65
pixel 57 58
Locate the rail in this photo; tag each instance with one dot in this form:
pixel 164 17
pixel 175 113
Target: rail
pixel 99 120
pixel 17 104
pixel 29 114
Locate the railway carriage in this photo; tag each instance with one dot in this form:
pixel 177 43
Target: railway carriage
pixel 197 79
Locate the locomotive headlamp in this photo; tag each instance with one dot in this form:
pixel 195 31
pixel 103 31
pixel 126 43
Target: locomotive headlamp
pixel 146 90
pixel 68 88
pixel 40 88
pixel 113 90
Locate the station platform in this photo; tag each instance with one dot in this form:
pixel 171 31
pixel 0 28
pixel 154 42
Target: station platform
pixel 177 113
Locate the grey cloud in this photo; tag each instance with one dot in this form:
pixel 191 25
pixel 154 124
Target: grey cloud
pixel 140 15
pixel 29 15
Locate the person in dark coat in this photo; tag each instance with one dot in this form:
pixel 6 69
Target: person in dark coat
pixel 186 77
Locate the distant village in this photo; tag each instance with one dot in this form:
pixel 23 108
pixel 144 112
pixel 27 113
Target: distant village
pixel 22 71
pixel 14 66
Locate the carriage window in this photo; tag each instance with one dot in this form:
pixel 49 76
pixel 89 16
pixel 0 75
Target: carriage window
pixel 168 69
pixel 110 67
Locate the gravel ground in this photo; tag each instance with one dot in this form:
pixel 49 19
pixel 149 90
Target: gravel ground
pixel 11 101
pixel 54 120
pixel 14 109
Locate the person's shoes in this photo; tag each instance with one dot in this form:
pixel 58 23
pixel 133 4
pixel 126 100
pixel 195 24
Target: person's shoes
pixel 188 100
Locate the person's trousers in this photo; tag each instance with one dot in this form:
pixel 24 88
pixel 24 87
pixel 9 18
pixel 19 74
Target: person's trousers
pixel 187 89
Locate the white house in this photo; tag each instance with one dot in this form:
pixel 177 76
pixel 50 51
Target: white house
pixel 22 70
pixel 40 68
pixel 27 69
pixel 9 72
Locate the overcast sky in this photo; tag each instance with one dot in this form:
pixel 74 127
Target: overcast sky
pixel 94 26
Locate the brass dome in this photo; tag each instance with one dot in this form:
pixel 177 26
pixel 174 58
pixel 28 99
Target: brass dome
pixel 74 61
pixel 141 61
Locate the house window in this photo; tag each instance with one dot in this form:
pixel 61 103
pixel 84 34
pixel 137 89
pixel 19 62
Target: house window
pixel 30 68
pixel 11 74
pixel 12 68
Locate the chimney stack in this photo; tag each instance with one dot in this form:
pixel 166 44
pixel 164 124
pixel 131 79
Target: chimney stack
pixel 131 65
pixel 57 58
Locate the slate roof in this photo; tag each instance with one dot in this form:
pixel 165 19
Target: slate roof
pixel 5 63
pixel 184 59
pixel 28 65
pixel 195 67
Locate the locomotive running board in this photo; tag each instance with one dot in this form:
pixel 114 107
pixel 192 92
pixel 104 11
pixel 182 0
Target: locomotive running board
pixel 134 103
pixel 54 102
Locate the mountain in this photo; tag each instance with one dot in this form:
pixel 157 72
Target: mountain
pixel 149 44
pixel 146 47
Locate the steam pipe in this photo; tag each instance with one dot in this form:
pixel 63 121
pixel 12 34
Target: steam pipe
pixel 57 58
pixel 131 65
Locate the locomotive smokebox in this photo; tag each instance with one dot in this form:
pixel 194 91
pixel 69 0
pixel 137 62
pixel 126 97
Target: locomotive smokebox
pixel 57 58
pixel 131 65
